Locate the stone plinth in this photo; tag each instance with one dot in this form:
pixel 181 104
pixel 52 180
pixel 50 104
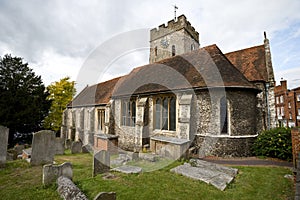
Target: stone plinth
pixel 169 146
pixel 106 142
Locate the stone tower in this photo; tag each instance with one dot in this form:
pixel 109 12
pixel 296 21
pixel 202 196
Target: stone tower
pixel 176 38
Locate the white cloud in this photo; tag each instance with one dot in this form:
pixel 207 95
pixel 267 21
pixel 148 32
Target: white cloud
pixel 56 36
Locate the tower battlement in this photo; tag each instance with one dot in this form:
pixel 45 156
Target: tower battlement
pixel 180 23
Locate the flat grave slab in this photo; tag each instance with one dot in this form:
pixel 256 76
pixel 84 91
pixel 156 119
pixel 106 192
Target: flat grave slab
pixel 127 169
pixel 210 173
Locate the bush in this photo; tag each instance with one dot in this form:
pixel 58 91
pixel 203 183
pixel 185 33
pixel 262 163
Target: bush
pixel 275 143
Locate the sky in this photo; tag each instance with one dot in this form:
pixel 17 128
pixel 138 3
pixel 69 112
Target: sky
pixel 58 38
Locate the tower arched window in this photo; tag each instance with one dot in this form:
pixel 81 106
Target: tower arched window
pixel 192 47
pixel 173 50
pixel 223 116
pixel 155 51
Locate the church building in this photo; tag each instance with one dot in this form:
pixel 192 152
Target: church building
pixel 187 98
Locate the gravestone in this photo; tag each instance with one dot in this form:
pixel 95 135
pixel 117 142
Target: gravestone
pixel 52 172
pixel 87 148
pixel 68 144
pixel 106 196
pixel 68 190
pixel 3 145
pixel 101 162
pixel 76 147
pixel 43 147
pixel 59 146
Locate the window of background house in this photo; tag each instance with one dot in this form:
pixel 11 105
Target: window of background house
pixel 298 97
pixel 298 111
pixel 128 109
pixel 290 115
pixel 165 113
pixel 281 99
pixel 282 111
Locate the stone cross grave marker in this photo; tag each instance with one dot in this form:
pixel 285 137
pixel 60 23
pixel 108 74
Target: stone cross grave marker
pixel 101 162
pixel 3 145
pixel 43 148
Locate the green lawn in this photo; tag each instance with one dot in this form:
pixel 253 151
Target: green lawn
pixel 21 181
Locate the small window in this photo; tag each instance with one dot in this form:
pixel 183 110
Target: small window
pixel 290 115
pixel 298 111
pixel 277 100
pixel 298 97
pixel 128 111
pixel 173 50
pixel 155 51
pixel 223 116
pixel 289 104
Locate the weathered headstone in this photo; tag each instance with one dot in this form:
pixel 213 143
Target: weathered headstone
pixel 19 149
pixel 52 172
pixel 68 144
pixel 87 148
pixel 59 146
pixel 101 162
pixel 43 148
pixel 3 145
pixel 106 196
pixel 68 190
pixel 76 147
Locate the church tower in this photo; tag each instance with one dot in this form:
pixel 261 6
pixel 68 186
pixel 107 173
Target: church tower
pixel 178 37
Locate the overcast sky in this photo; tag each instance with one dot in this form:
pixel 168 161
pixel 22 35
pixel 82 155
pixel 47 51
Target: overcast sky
pixel 57 36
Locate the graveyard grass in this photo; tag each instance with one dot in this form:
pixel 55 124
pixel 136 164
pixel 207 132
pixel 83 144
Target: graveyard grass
pixel 19 180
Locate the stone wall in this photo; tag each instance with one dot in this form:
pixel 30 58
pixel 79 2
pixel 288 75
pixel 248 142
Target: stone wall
pixel 224 146
pixel 295 132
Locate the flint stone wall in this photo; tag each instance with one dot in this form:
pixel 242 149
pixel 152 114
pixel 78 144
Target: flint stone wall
pixel 52 172
pixel 224 146
pixel 43 147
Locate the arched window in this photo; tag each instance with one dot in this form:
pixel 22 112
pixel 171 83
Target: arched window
pixel 157 113
pixel 192 47
pixel 155 51
pixel 128 112
pixel 173 50
pixel 223 116
pixel 165 113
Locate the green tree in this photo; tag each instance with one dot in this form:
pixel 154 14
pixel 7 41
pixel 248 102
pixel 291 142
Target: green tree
pixel 23 98
pixel 60 93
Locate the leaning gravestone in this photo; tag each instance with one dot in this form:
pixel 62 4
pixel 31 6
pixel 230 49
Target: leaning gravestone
pixel 52 172
pixel 106 196
pixel 76 147
pixel 43 147
pixel 59 146
pixel 101 162
pixel 3 145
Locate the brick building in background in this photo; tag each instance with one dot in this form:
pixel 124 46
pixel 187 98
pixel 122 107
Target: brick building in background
pixel 287 105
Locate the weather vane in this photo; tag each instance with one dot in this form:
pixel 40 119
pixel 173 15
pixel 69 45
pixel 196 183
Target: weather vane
pixel 175 7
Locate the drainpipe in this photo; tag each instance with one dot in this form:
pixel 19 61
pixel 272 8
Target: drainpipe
pixel 268 107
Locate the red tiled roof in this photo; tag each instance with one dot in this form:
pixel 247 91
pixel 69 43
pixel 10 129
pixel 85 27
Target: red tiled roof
pixel 251 62
pixel 95 95
pixel 206 67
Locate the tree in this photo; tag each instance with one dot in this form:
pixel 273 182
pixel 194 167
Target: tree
pixel 23 99
pixel 60 93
